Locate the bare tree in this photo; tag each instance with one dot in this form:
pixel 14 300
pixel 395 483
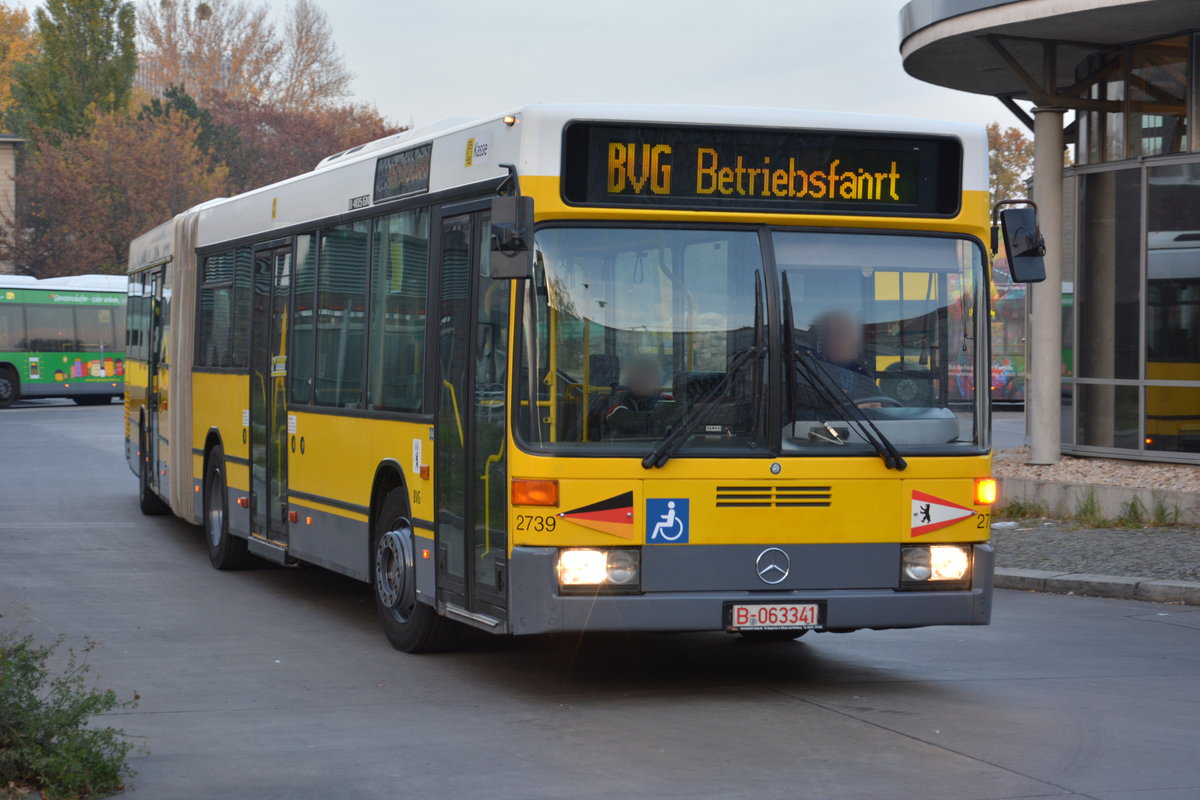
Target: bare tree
pixel 217 47
pixel 311 73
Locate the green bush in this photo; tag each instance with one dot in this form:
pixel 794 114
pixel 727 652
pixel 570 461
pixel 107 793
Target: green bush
pixel 45 740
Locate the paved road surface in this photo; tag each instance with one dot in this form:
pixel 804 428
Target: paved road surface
pixel 1008 429
pixel 275 683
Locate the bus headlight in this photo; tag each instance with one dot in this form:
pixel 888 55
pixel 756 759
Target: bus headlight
pixel 616 569
pixel 935 566
pixel 948 562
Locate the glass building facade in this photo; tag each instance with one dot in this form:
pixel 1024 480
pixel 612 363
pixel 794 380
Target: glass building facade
pixel 1131 272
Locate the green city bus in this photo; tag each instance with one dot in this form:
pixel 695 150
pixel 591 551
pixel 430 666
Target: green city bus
pixel 62 337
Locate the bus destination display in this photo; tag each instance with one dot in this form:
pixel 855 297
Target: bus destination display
pixel 690 167
pixel 404 173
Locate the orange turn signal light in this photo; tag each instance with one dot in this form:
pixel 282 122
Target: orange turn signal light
pixel 244 502
pixel 529 492
pixel 985 491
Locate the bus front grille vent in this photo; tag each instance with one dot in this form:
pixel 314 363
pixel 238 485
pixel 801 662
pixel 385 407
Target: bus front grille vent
pixel 774 496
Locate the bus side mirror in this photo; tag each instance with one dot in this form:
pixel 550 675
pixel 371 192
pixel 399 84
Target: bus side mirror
pixel 512 237
pixel 1023 244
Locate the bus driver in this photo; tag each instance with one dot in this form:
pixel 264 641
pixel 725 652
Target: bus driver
pixel 643 408
pixel 837 342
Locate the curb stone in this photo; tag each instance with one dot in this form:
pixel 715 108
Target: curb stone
pixel 1119 587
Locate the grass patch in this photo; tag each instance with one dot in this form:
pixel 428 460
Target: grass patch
pixel 1165 515
pixel 1087 512
pixel 1133 514
pixel 46 741
pixel 1019 508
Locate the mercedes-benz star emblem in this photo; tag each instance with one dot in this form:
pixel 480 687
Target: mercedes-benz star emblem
pixel 773 566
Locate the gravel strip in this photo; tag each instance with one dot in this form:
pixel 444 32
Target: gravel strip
pixel 1161 553
pixel 1102 471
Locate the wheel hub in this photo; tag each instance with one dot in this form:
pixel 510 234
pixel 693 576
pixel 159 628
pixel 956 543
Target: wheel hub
pixel 393 569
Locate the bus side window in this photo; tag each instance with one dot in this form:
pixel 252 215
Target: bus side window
pixel 341 314
pixel 399 278
pixel 215 316
pixel 12 328
pixel 303 333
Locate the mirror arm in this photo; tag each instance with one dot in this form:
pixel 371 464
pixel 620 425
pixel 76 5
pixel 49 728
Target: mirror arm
pixel 513 180
pixel 996 217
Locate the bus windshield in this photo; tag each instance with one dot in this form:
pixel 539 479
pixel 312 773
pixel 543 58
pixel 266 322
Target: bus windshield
pixel 635 337
pixel 887 323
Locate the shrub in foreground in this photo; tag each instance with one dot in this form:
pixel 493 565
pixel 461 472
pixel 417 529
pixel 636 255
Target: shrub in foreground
pixel 45 740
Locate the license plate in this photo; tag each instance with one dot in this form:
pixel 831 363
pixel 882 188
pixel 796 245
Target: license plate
pixel 773 616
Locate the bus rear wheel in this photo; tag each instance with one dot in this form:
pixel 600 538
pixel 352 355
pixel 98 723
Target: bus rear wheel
pixel 409 624
pixel 9 388
pixel 151 504
pixel 224 551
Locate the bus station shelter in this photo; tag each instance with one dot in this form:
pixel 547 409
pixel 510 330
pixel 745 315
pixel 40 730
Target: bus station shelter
pixel 1114 336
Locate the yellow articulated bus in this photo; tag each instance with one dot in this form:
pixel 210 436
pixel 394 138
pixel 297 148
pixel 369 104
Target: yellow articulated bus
pixel 590 367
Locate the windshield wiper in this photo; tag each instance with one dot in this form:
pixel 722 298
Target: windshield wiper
pixel 831 393
pixel 828 389
pixel 752 355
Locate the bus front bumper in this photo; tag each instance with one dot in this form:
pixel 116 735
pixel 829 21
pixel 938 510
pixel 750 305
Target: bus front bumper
pixel 537 606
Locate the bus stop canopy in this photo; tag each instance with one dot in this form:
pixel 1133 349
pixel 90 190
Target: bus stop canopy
pixel 973 45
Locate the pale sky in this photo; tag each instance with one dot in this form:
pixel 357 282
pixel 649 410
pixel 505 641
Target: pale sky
pixel 420 61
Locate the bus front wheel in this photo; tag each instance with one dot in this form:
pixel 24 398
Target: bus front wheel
pixel 409 624
pixel 9 391
pixel 224 551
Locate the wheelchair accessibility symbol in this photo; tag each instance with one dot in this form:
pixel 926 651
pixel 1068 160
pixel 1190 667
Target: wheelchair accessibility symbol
pixel 666 521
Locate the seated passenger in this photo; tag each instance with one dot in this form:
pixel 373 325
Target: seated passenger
pixel 641 408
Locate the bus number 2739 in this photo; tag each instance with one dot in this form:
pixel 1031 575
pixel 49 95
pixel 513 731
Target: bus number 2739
pixel 538 523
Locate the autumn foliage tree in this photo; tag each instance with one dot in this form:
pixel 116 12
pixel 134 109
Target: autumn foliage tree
pixel 274 143
pixel 232 48
pixel 85 200
pixel 226 102
pixel 1010 162
pixel 83 66
pixel 18 43
pixel 209 48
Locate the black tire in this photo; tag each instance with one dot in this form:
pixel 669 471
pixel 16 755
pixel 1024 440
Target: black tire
pixel 92 400
pixel 151 504
pixel 410 625
pixel 225 551
pixel 10 388
pixel 771 636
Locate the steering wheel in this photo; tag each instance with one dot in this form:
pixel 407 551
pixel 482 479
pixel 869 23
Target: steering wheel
pixel 882 399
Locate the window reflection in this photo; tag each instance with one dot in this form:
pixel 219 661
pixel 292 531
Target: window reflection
pixel 1108 291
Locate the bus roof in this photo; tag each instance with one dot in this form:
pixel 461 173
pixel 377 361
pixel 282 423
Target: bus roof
pixel 83 283
pixel 529 137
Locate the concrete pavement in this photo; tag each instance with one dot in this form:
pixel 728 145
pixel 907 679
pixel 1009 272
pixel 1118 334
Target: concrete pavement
pixel 276 683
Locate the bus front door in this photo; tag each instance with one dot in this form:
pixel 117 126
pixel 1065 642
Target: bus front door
pixel 268 394
pixel 153 374
pixel 471 475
